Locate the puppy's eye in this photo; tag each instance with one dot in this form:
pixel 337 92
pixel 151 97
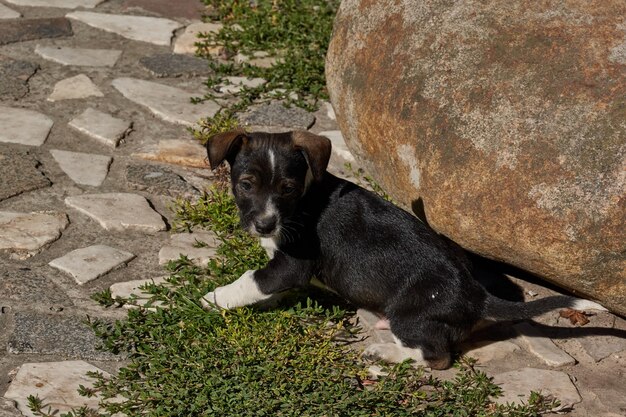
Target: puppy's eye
pixel 288 189
pixel 245 185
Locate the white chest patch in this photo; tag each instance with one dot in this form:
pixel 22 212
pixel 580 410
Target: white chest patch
pixel 270 245
pixel 272 159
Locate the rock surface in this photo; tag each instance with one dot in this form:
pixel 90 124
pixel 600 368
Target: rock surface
pixel 504 126
pixel 79 86
pixel 174 65
pixel 119 211
pixel 20 30
pixel 101 126
pixel 83 168
pixel 79 56
pixel 131 289
pixel 30 231
pixel 178 152
pixel 87 264
pixel 199 247
pixel 15 76
pixel 185 42
pixel 64 4
pixel 518 384
pixel 30 178
pixel 158 180
pixel 275 114
pixel 541 346
pixel 13 122
pixel 6 13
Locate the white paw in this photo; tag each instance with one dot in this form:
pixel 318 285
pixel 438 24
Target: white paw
pixel 208 301
pixel 393 353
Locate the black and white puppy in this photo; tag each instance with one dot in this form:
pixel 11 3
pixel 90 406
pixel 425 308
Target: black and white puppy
pixel 374 254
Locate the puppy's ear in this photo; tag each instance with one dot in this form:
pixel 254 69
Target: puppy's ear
pixel 224 146
pixel 316 150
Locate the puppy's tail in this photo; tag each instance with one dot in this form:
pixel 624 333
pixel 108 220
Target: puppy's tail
pixel 502 310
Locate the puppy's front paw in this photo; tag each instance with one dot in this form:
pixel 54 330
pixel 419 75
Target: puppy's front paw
pixel 387 352
pixel 208 301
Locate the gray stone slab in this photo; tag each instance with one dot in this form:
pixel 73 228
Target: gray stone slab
pixel 25 286
pixel 63 4
pixel 22 126
pixel 185 42
pixel 340 149
pixel 14 161
pixel 6 13
pixel 518 384
pixel 157 179
pixel 15 76
pixel 77 87
pixel 54 334
pixel 101 126
pixel 30 231
pixel 79 56
pixel 541 346
pixel 169 103
pixel 20 30
pixel 56 383
pixel 87 264
pixel 187 244
pixel 119 211
pixel 174 65
pixel 83 168
pixel 8 408
pixel 187 153
pixel 489 350
pixel 156 30
pixel 131 289
pixel 234 85
pixel 600 347
pixel 275 114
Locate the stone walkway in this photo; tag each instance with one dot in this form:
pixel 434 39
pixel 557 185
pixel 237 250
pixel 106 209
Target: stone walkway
pixel 94 111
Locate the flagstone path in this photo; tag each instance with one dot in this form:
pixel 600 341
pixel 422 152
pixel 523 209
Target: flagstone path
pixel 94 110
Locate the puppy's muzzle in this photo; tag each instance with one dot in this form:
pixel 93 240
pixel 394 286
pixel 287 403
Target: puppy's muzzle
pixel 265 225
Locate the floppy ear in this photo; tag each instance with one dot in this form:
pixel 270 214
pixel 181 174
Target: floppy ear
pixel 224 146
pixel 316 151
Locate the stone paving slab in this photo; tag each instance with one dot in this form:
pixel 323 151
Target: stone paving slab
pixel 275 114
pixel 16 160
pixel 30 231
pixel 156 30
pixel 87 264
pixel 131 289
pixel 56 383
pixel 185 42
pixel 77 87
pixel 55 334
pixel 8 408
pixel 22 126
pixel 190 9
pixel 64 4
pixel 173 65
pixel 169 103
pixel 101 126
pixel 185 152
pixel 119 211
pixel 187 244
pixel 79 56
pixel 234 85
pixel 541 346
pixel 340 149
pixel 6 13
pixel 83 168
pixel 518 384
pixel 24 286
pixel 15 76
pixel 490 350
pixel 157 179
pixel 20 30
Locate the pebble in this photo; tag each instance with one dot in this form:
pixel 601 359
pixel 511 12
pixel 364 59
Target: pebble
pixel 155 30
pixel 130 289
pixel 185 43
pixel 185 244
pixel 15 76
pixel 83 168
pixel 189 153
pixel 87 264
pixel 175 65
pixel 55 383
pixel 16 160
pixel 55 334
pixel 30 231
pixel 64 4
pixel 20 30
pixel 22 126
pixel 518 384
pixel 275 114
pixel 79 86
pixel 101 126
pixel 169 103
pixel 542 346
pixel 79 56
pixel 6 13
pixel 119 211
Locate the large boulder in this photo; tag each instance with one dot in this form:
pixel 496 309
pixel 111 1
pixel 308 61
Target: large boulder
pixel 502 123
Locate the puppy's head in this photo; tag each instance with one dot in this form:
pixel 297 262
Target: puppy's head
pixel 270 173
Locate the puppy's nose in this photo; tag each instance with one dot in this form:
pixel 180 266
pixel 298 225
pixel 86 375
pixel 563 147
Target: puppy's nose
pixel 265 225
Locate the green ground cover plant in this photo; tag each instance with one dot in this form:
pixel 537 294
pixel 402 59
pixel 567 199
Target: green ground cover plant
pixel 295 359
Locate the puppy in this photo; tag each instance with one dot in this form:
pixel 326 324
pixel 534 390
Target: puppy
pixel 372 253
